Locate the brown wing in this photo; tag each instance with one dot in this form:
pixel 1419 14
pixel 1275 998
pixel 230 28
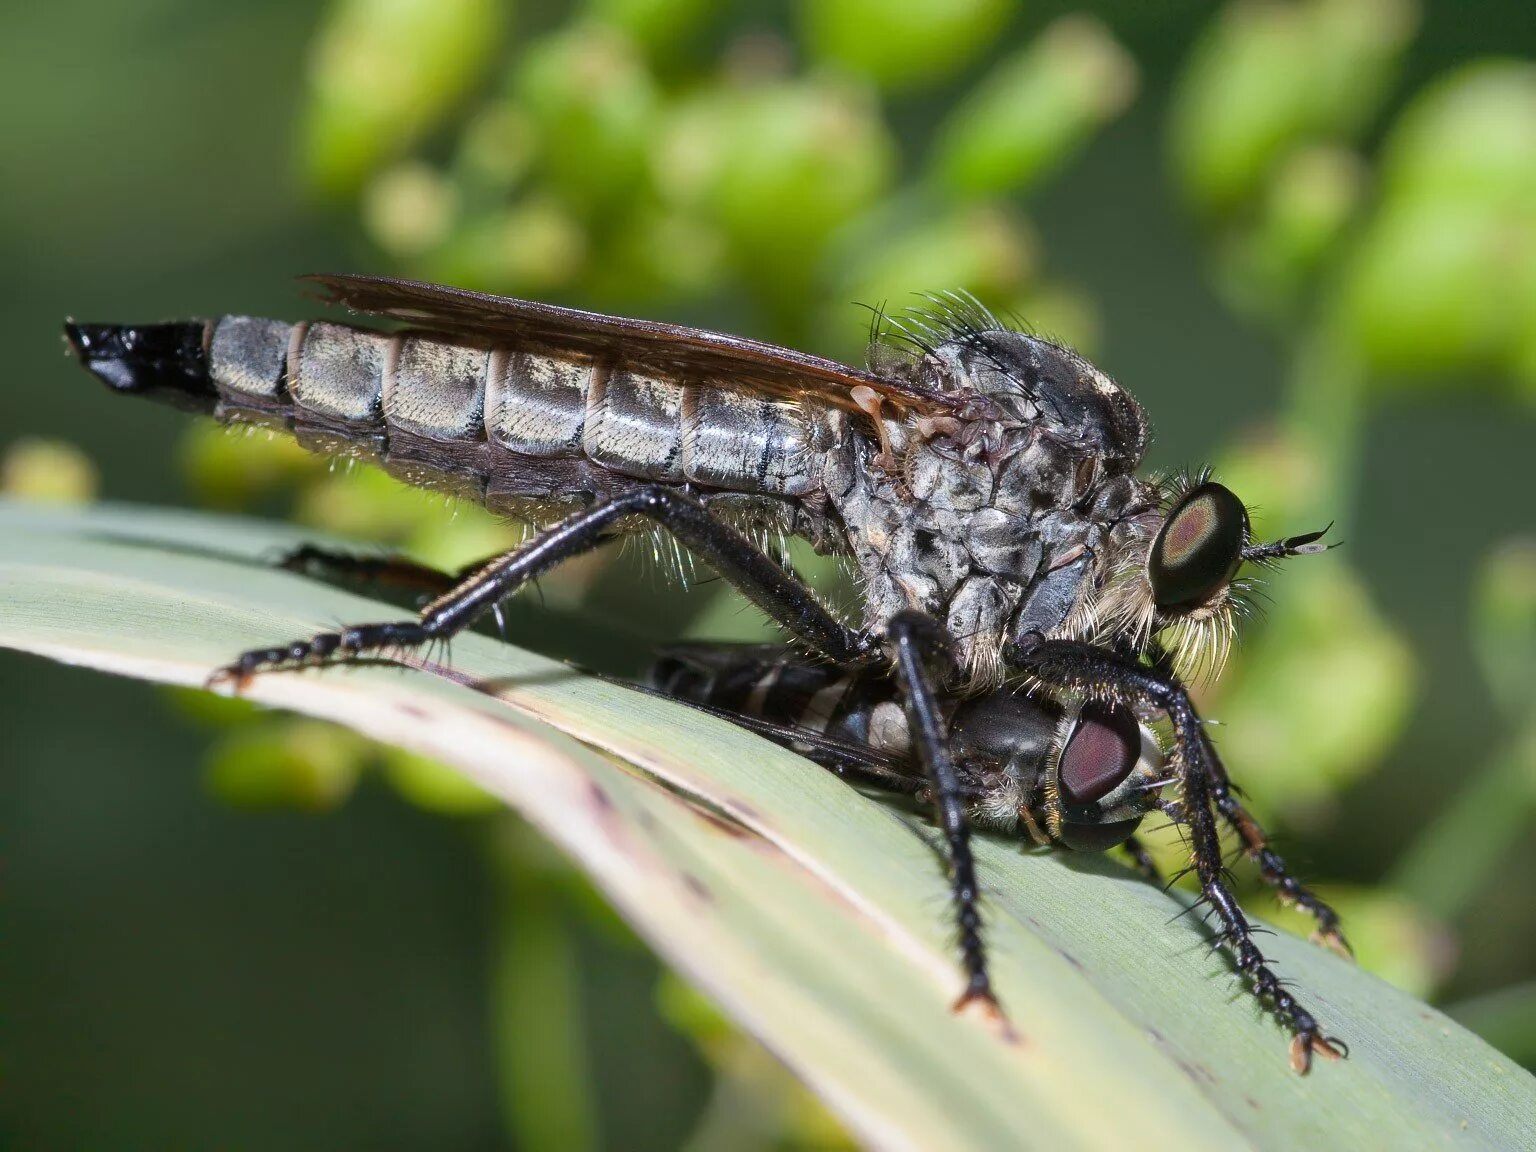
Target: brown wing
pixel 672 348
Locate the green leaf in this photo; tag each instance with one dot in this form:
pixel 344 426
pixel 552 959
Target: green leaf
pixel 815 917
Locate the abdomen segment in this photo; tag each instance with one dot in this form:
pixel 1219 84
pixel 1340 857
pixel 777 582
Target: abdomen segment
pixel 503 424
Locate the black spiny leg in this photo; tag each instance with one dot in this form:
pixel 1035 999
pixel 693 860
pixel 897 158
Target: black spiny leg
pixel 1106 675
pixel 390 571
pixel 917 640
pixel 1256 847
pixel 778 593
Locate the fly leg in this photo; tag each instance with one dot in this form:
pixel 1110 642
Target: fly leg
pixel 780 594
pixel 1256 847
pixel 917 642
pixel 1272 868
pixel 390 571
pixel 1107 675
pixel 1142 860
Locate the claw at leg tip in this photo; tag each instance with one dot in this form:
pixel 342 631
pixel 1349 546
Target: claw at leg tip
pixel 1303 1047
pixel 983 1006
pixel 1334 942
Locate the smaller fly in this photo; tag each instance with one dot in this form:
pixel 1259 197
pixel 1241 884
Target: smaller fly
pixel 1065 770
pixel 1071 774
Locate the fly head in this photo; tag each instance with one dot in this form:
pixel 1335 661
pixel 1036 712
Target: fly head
pixel 1177 569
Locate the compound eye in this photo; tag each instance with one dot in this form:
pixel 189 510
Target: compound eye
pixel 1101 752
pixel 1199 548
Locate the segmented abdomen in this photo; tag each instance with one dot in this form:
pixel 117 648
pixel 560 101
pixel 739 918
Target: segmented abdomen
pixel 515 424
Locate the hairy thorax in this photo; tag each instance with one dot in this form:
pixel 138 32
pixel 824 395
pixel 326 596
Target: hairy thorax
pixel 1002 523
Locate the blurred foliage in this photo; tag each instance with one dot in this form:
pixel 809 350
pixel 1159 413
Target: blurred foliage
pixel 640 156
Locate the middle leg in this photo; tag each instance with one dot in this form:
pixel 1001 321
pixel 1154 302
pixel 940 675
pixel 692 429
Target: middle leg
pixel 779 593
pixel 918 642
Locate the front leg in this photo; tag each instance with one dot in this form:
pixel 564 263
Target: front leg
pixel 917 641
pixel 779 593
pixel 1109 676
pixel 1255 840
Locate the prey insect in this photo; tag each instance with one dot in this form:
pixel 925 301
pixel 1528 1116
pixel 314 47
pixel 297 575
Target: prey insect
pixel 1029 604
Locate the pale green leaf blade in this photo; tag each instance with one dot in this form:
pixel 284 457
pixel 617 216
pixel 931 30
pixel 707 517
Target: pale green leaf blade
pixel 816 917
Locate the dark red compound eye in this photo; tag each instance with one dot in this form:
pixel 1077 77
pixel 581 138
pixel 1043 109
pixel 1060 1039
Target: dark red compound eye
pixel 1199 547
pixel 1101 752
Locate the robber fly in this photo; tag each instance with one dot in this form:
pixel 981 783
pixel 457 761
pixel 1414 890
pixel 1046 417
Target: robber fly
pixel 1021 585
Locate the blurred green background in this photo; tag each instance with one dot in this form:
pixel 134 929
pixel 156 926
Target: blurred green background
pixel 1304 234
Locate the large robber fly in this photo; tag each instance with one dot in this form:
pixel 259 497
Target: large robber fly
pixel 1030 606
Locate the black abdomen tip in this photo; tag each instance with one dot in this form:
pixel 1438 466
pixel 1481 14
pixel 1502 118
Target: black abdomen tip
pixel 166 362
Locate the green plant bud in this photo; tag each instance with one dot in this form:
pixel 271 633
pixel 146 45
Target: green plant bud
pixel 229 466
pixel 1470 137
pixel 409 209
pixel 1302 213
pixel 432 787
pixel 51 471
pixel 1434 288
pixel 658 256
pixel 530 249
pixel 593 105
pixel 1034 110
pixel 656 24
pixel 495 149
pixel 1317 694
pixel 899 46
pixel 300 764
pixel 983 248
pixel 382 74
pixel 779 166
pixel 1267 77
pixel 1504 626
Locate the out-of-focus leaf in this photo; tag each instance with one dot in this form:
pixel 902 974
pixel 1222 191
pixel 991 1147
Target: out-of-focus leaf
pixel 533 247
pixel 813 916
pixel 899 46
pixel 383 74
pixel 1034 110
pixel 1267 77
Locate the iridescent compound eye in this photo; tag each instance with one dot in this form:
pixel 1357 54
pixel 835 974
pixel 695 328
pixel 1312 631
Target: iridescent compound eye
pixel 1101 752
pixel 1199 548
